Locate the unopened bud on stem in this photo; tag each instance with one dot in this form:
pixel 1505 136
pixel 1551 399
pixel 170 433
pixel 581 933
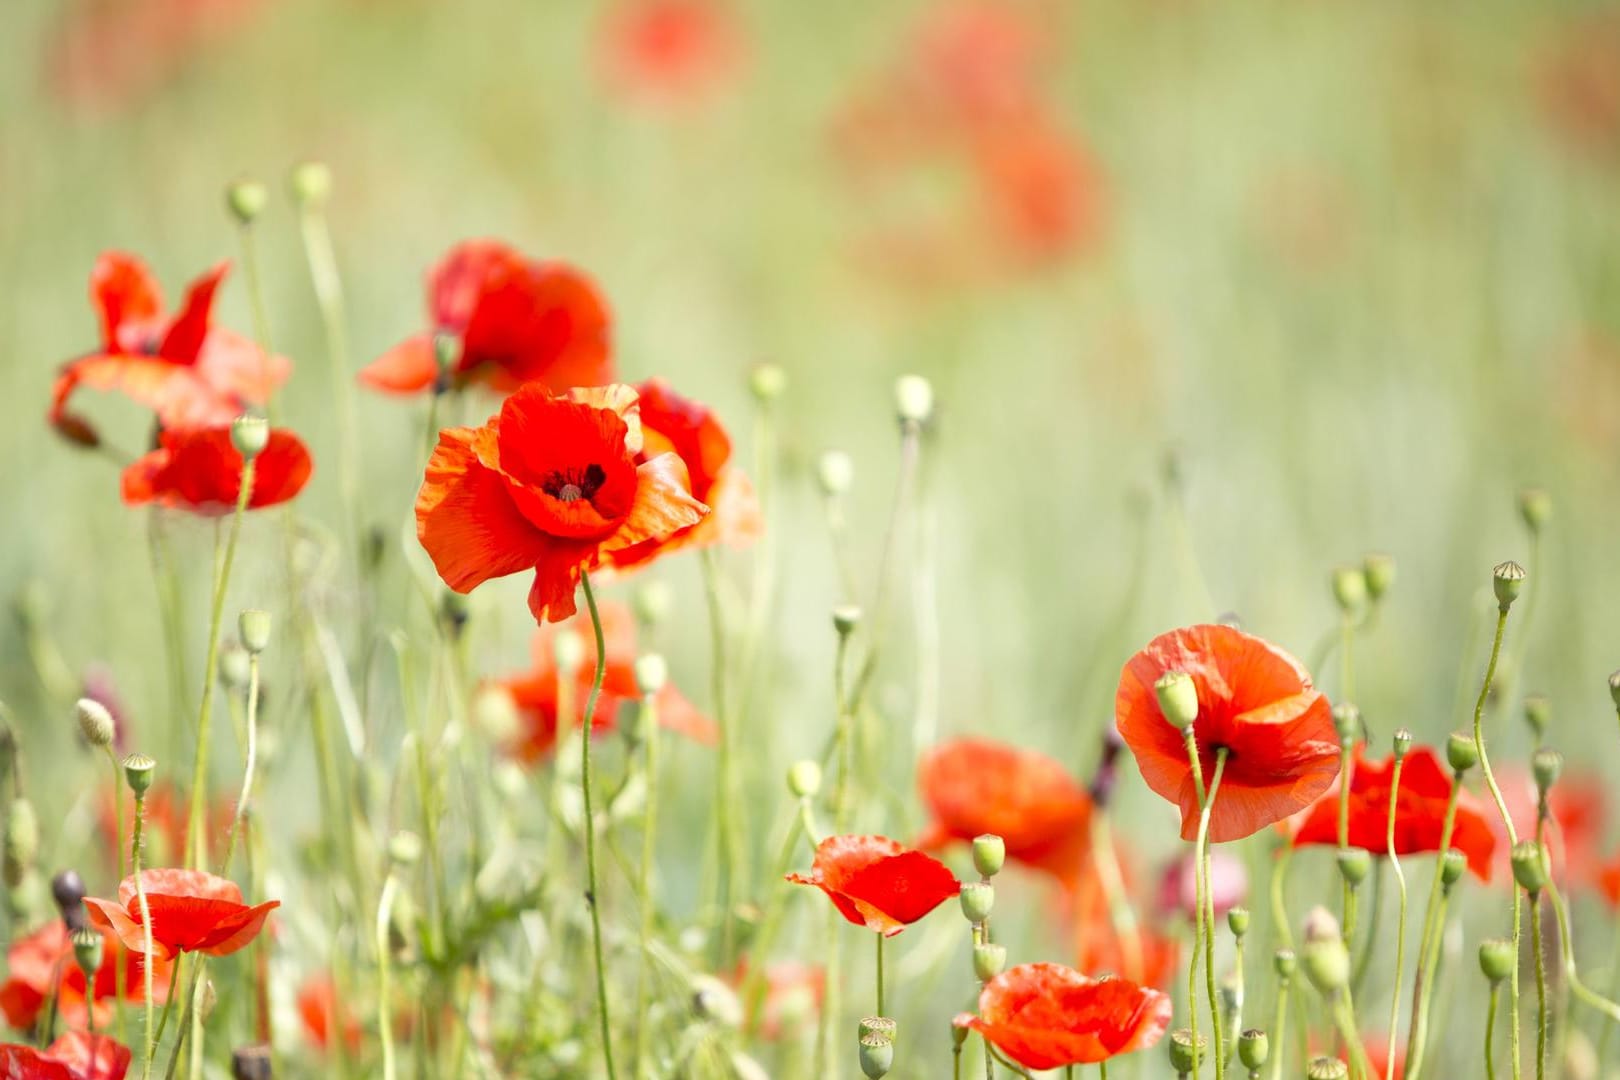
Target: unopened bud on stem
pixel 1178 699
pixel 95 722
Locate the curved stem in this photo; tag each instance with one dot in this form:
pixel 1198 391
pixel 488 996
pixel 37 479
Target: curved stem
pixel 590 827
pixel 1490 1031
pixel 1400 923
pixel 1207 915
pixel 1541 986
pixel 1507 821
pixel 248 768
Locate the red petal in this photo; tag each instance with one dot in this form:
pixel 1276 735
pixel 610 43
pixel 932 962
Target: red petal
pixel 662 504
pixel 465 517
pixel 407 368
pixel 91 1057
pixel 184 340
pixel 125 292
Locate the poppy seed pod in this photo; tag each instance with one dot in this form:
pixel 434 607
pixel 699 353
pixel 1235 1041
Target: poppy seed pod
pixel 1497 958
pixel 1354 863
pixel 1237 920
pixel 651 674
pixel 1546 765
pixel 804 779
pixel 1530 866
pixel 1185 1049
pixel 846 618
pixel 835 472
pixel 310 183
pixel 877 1055
pixel 95 722
pixel 88 945
pixel 138 769
pixel 246 200
pixel 1326 1068
pixel 1508 581
pixel 988 961
pixel 913 399
pixel 766 382
pixel 1452 865
pixel 1378 570
pixel 1178 699
pixel 1535 508
pixel 653 602
pixel 1349 588
pixel 977 899
pixel 253 626
pixel 1537 712
pixel 1346 722
pixel 1461 752
pixel 1285 963
pixel 251 1063
pixel 878 1025
pixel 959 1035
pixel 1403 742
pixel 989 854
pixel 1253 1048
pixel 250 435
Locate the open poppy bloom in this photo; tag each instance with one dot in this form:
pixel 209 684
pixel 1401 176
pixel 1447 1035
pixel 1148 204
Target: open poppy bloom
pixel 1254 700
pixel 876 883
pixel 670 51
pixel 536 698
pixel 192 911
pixel 549 484
pixel 977 786
pixel 43 962
pixel 519 321
pixel 200 470
pixel 75 1056
pixel 674 424
pixel 1046 1016
pixel 1420 812
pixel 191 373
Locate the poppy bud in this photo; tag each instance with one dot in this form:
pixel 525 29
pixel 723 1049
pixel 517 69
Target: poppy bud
pixel 95 722
pixel 1285 963
pixel 766 382
pixel 568 648
pixel 250 435
pixel 1614 688
pixel 1452 865
pixel 1546 765
pixel 233 666
pixel 1346 722
pixel 846 618
pixel 804 779
pixel 1326 1068
pixel 835 471
pixel 959 1035
pixel 1185 1049
pixel 311 183
pixel 1253 1048
pixel 1535 507
pixel 988 960
pixel 1378 570
pixel 713 1000
pixel 989 854
pixel 246 200
pixel 1529 866
pixel 877 1055
pixel 138 769
pixel 1403 742
pixel 87 949
pixel 1508 581
pixel 1354 864
pixel 1537 711
pixel 251 1063
pixel 913 399
pixel 1107 774
pixel 21 841
pixel 1497 958
pixel 653 603
pixel 1237 920
pixel 1326 960
pixel 977 899
pixel 1349 588
pixel 404 848
pixel 67 889
pixel 1178 699
pixel 253 626
pixel 1461 753
pixel 651 674
pixel 76 430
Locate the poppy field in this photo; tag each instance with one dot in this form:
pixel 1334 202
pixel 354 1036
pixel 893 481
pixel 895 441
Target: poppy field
pixel 717 539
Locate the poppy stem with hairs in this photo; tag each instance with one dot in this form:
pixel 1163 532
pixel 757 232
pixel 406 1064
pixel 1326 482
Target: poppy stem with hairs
pixel 146 930
pixel 1507 821
pixel 1583 993
pixel 1491 1010
pixel 724 774
pixel 590 824
pixel 119 975
pixel 1541 985
pixel 1400 921
pixel 1190 738
pixel 1429 938
pixel 1206 904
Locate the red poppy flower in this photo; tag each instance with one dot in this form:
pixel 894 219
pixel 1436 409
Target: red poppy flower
pixel 1253 699
pixel 200 470
pixel 976 786
pixel 191 373
pixel 548 484
pixel 535 693
pixel 671 51
pixel 44 960
pixel 192 911
pixel 674 424
pixel 876 883
pixel 1420 812
pixel 320 1010
pixel 1046 1016
pixel 75 1056
pixel 519 320
pixel 1044 194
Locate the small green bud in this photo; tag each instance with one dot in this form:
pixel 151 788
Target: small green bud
pixel 1285 963
pixel 1253 1048
pixel 1326 1068
pixel 651 674
pixel 21 841
pixel 989 854
pixel 1546 765
pixel 766 382
pixel 1529 866
pixel 87 951
pixel 846 617
pixel 1327 965
pixel 1237 920
pixel 804 779
pixel 877 1055
pixel 250 435
pixel 988 960
pixel 1354 863
pixel 1178 699
pixel 311 184
pixel 1378 570
pixel 1508 581
pixel 835 471
pixel 977 899
pixel 568 648
pixel 254 628
pixel 233 666
pixel 1403 743
pixel 1497 958
pixel 1349 588
pixel 1614 688
pixel 653 603
pixel 246 200
pixel 1461 752
pixel 95 722
pixel 404 848
pixel 1535 507
pixel 1346 722
pixel 138 769
pixel 913 399
pixel 1452 865
pixel 1185 1049
pixel 1537 712
pixel 959 1034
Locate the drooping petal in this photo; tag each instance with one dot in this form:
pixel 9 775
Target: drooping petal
pixel 556 579
pixel 662 504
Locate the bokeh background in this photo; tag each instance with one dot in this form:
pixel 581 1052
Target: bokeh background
pixel 1213 297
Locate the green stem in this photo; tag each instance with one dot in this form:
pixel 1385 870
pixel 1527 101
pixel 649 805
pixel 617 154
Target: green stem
pixel 1279 905
pixel 1429 939
pixel 1582 992
pixel 1207 914
pixel 1400 924
pixel 1190 739
pixel 590 827
pixel 1347 890
pixel 649 833
pixel 724 778
pixel 248 768
pixel 1507 821
pixel 385 1015
pixel 1541 986
pixel 119 974
pixel 1280 1028
pixel 146 932
pixel 880 938
pixel 176 979
pixel 1490 1030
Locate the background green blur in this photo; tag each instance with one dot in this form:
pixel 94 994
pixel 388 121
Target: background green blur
pixel 1357 282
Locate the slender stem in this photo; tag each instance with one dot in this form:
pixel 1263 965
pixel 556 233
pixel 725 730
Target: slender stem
pixel 1347 890
pixel 1582 992
pixel 190 1021
pixel 590 827
pixel 1190 738
pixel 251 763
pixel 1429 940
pixel 1345 1019
pixel 385 1012
pixel 1400 923
pixel 1490 1030
pixel 724 778
pixel 1507 821
pixel 1280 1028
pixel 1279 905
pixel 880 939
pixel 146 932
pixel 649 835
pixel 1207 901
pixel 119 974
pixel 1541 986
pixel 176 979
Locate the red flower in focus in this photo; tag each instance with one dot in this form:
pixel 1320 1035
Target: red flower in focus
pixel 876 883
pixel 1178 886
pixel 674 51
pixel 1046 1016
pixel 1420 812
pixel 191 373
pixel 976 786
pixel 549 484
pixel 1253 699
pixel 321 1010
pixel 674 424
pixel 192 911
pixel 43 961
pixel 536 694
pixel 200 470
pixel 519 321
pixel 75 1056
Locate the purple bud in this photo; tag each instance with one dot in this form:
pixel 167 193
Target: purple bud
pixel 1102 784
pixel 67 888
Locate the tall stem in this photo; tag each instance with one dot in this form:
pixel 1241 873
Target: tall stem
pixel 1429 940
pixel 649 833
pixel 1400 924
pixel 1280 1027
pixel 1206 902
pixel 724 778
pixel 1490 1030
pixel 880 939
pixel 385 1014
pixel 146 933
pixel 1541 986
pixel 251 763
pixel 119 974
pixel 1190 738
pixel 590 827
pixel 1507 821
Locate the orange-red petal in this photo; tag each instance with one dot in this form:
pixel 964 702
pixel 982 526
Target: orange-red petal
pixel 465 517
pixel 407 368
pixel 125 293
pixel 1046 1016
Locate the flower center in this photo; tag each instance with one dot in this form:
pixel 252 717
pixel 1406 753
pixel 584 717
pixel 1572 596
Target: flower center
pixel 572 485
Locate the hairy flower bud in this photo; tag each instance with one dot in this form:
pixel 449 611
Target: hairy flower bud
pixel 1530 866
pixel 88 945
pixel 95 722
pixel 1452 865
pixel 1546 765
pixel 1497 958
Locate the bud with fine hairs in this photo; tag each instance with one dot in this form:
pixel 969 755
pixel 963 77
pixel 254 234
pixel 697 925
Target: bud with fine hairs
pixel 1529 860
pixel 1546 765
pixel 1462 753
pixel 95 722
pixel 88 948
pixel 1497 958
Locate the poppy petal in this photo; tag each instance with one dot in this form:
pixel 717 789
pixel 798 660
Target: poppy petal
pixel 663 505
pixel 407 368
pixel 124 291
pixel 465 518
pixel 183 341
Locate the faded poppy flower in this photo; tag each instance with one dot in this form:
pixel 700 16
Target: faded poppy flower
pixel 549 484
pixel 1146 957
pixel 163 838
pixel 1043 192
pixel 976 786
pixel 671 51
pixel 1178 885
pixel 320 1010
pixel 1046 1016
pixel 188 371
pixel 876 883
pixel 1253 699
pixel 674 424
pixel 535 694
pixel 43 960
pixel 519 320
pixel 1420 812
pixel 192 911
pixel 200 470
pixel 75 1056
pixel 793 995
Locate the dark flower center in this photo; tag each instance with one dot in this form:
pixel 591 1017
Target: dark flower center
pixel 572 485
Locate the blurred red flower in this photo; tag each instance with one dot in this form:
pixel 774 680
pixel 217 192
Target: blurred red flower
pixel 976 786
pixel 876 883
pixel 536 698
pixel 163 838
pixel 1253 699
pixel 190 372
pixel 321 1010
pixel 1580 83
pixel 44 959
pixel 671 423
pixel 1420 811
pixel 200 470
pixel 670 51
pixel 1575 824
pixel 192 911
pixel 1608 882
pixel 793 995
pixel 549 484
pixel 1178 885
pixel 1380 1054
pixel 1047 1016
pixel 1043 192
pixel 75 1056
pixel 519 321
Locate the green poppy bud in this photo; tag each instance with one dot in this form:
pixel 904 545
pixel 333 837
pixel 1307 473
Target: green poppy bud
pixel 1237 920
pixel 246 200
pixel 1452 865
pixel 1285 963
pixel 87 951
pixel 1535 507
pixel 1461 752
pixel 1185 1049
pixel 1378 570
pixel 913 399
pixel 1178 699
pixel 804 779
pixel 988 961
pixel 138 769
pixel 1537 712
pixel 253 627
pixel 989 854
pixel 1253 1048
pixel 1349 588
pixel 1326 1068
pixel 1508 581
pixel 1546 765
pixel 846 618
pixel 95 722
pixel 835 472
pixel 1354 863
pixel 1497 958
pixel 1346 722
pixel 766 382
pixel 977 899
pixel 311 184
pixel 1403 743
pixel 1529 866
